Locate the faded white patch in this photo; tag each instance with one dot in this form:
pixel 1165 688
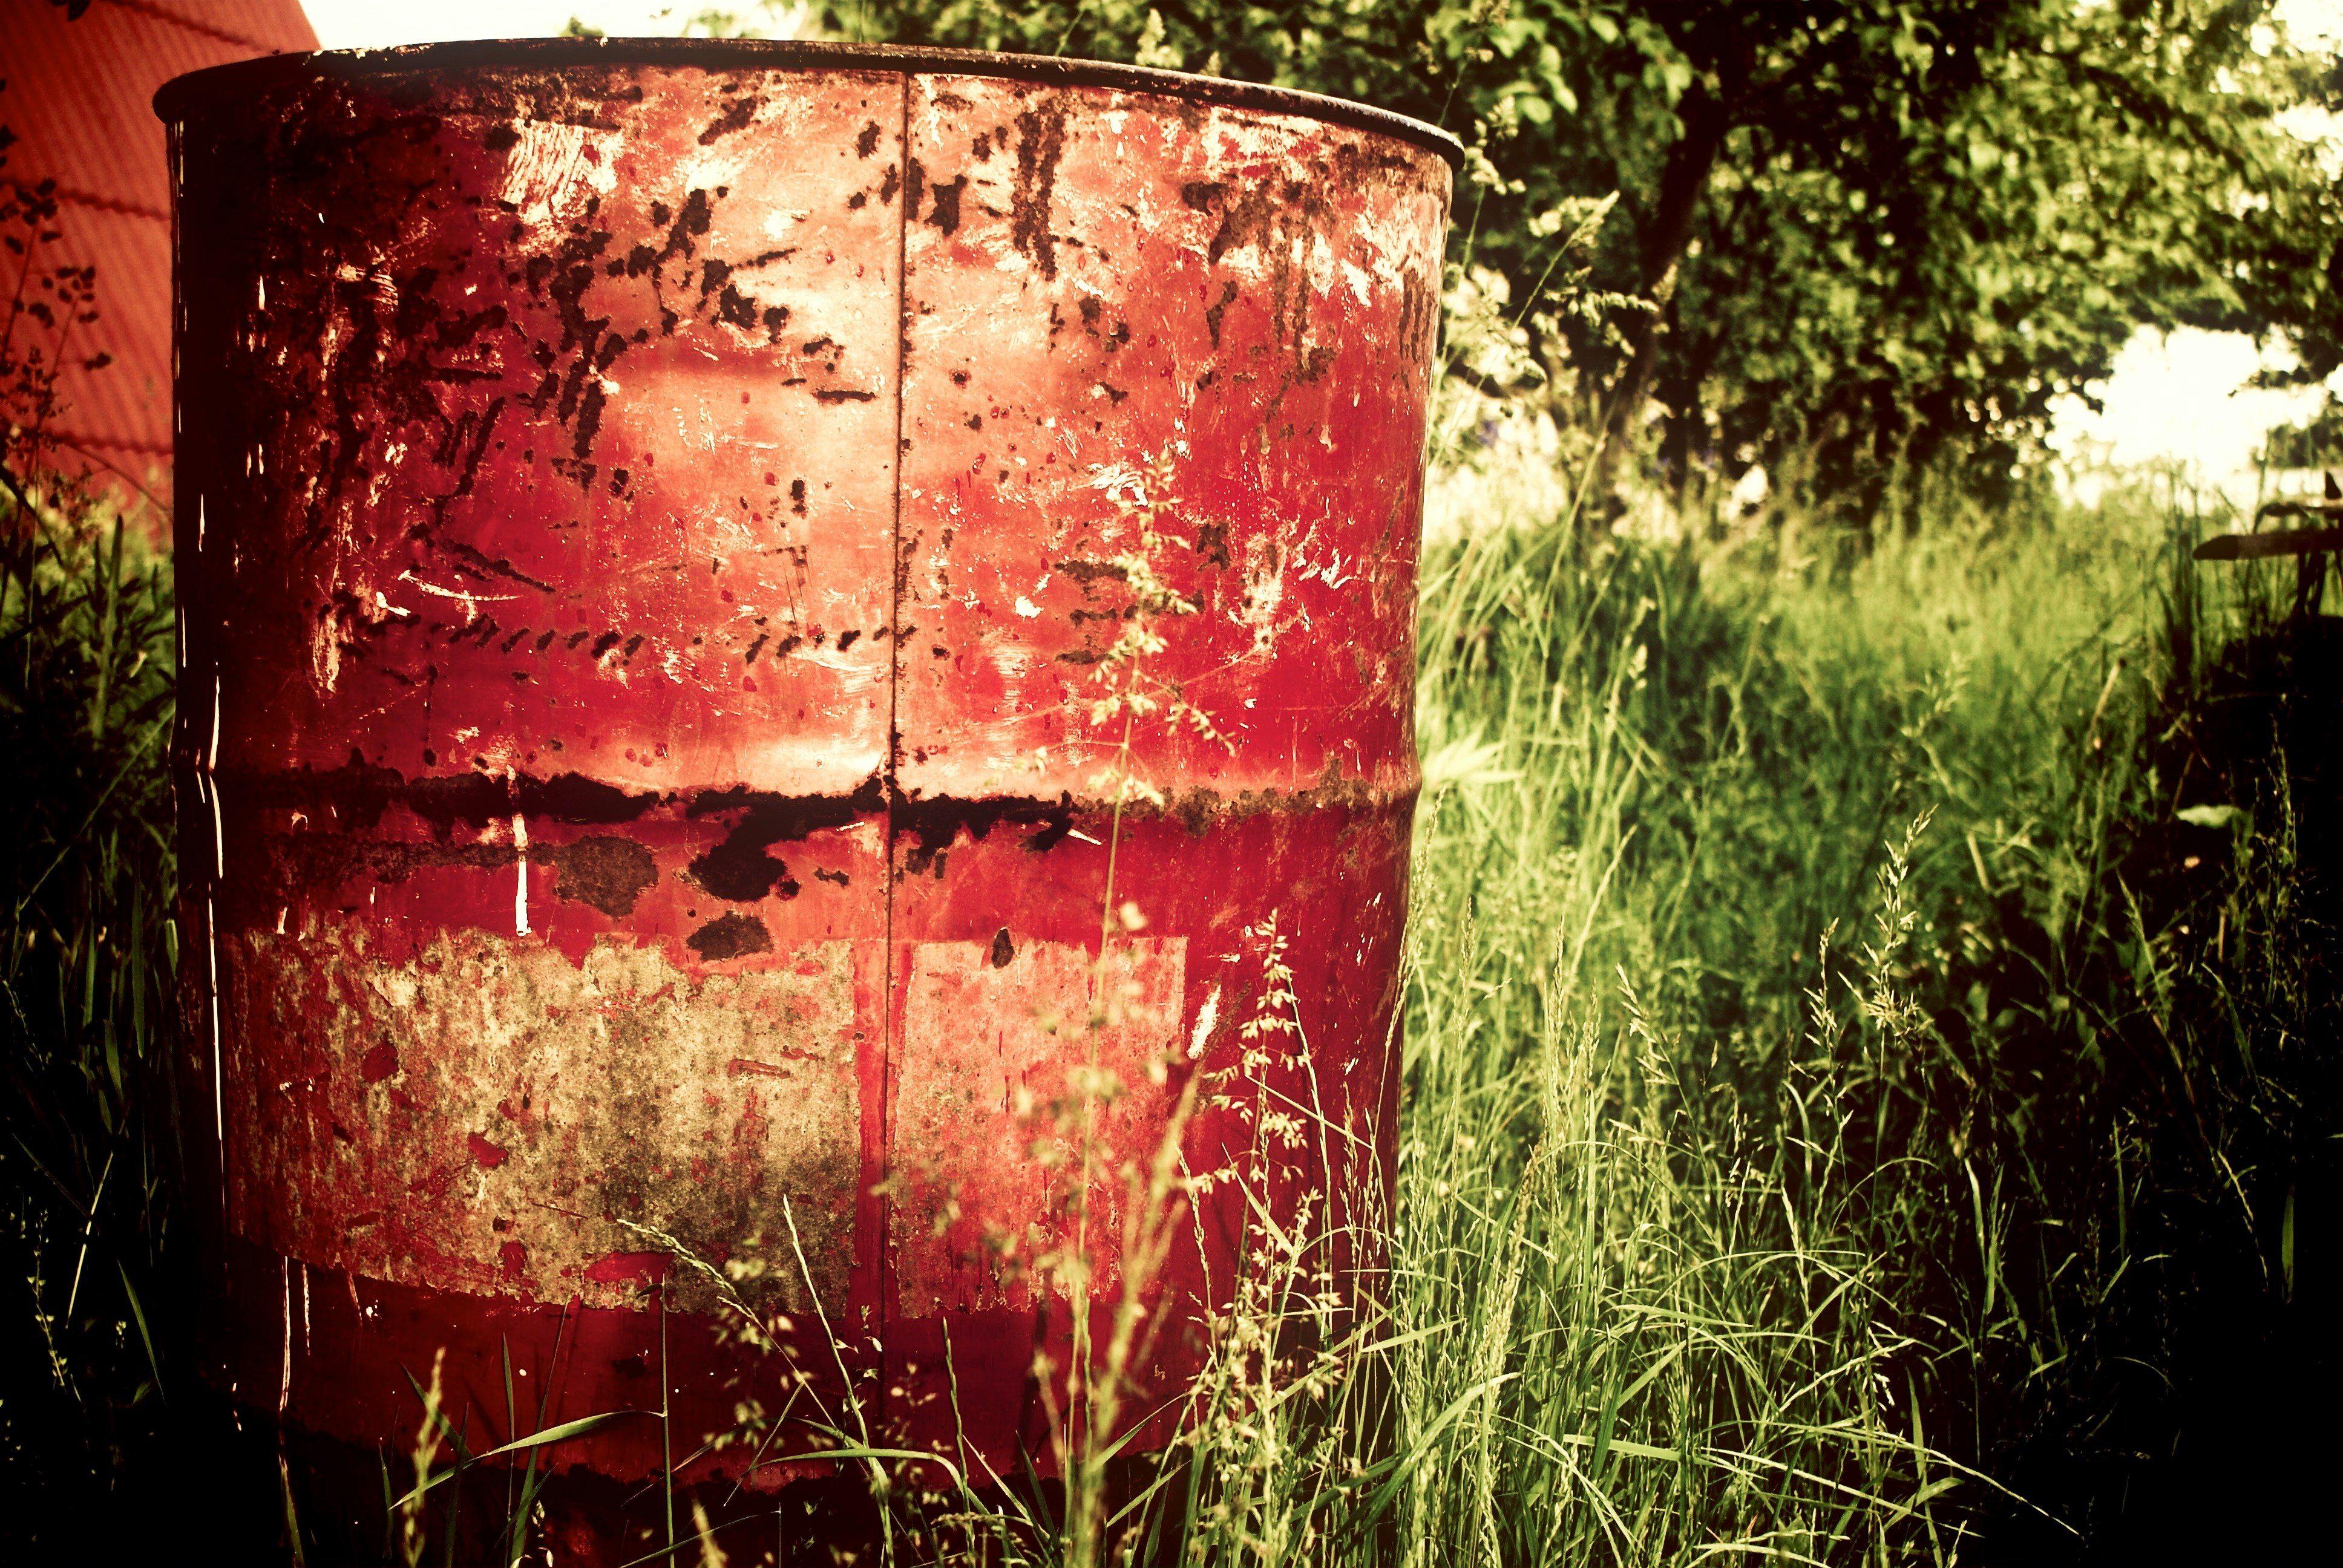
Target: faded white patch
pixel 527 1099
pixel 1264 594
pixel 520 860
pixel 1331 572
pixel 1321 264
pixel 1206 1017
pixel 548 171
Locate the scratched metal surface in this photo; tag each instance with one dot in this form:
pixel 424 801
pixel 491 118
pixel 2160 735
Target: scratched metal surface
pixel 644 530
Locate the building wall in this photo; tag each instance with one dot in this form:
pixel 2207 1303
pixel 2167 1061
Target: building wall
pixel 78 80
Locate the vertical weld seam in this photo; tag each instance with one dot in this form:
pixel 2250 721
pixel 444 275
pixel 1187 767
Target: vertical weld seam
pixel 895 519
pixel 888 1004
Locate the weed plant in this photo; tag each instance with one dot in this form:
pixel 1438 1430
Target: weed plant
pixel 1869 1060
pixel 1824 965
pixel 87 952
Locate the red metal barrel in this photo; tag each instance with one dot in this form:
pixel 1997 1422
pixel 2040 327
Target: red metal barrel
pixel 657 523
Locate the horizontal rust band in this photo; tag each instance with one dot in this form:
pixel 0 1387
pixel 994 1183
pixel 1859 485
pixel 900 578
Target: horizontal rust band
pixel 234 84
pixel 338 830
pixel 359 793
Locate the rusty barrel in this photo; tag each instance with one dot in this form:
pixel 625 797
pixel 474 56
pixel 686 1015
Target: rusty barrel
pixel 657 523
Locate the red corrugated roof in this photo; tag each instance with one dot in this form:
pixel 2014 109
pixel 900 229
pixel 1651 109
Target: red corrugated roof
pixel 76 96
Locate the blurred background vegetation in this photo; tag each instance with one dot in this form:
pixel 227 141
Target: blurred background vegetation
pixel 1878 238
pixel 1872 1063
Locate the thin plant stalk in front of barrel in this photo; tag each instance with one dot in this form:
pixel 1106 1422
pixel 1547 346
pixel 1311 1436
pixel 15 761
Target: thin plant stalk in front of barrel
pixel 1084 1436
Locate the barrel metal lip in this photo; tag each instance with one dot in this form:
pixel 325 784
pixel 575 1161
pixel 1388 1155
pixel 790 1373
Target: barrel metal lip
pixel 184 96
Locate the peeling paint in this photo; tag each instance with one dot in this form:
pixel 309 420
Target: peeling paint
pixel 537 1101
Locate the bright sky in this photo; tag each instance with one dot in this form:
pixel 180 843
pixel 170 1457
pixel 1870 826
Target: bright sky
pixel 2177 400
pixel 2183 400
pixel 376 24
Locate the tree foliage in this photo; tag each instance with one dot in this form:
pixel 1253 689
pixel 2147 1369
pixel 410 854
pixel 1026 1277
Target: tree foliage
pixel 1881 233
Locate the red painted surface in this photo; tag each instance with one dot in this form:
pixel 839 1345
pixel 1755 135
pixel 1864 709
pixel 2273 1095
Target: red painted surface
pixel 649 526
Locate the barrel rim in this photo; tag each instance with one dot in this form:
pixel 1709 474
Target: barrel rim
pixel 183 96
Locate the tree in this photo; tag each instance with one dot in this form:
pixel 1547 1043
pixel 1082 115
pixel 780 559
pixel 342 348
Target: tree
pixel 1881 236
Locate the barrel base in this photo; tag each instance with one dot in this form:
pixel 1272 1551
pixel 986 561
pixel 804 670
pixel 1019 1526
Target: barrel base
pixel 579 1519
pixel 588 1521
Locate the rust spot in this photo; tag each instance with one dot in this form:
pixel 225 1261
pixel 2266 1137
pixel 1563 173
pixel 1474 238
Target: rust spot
pixel 1212 315
pixel 730 937
pixel 690 223
pixel 378 1063
pixel 946 216
pixel 937 823
pixel 1003 951
pixel 606 872
pixel 1040 144
pixel 1213 544
pixel 735 119
pixel 738 869
pixel 1199 195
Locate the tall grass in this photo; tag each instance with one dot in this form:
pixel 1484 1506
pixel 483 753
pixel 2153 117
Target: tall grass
pixel 1870 1071
pixel 1806 1007
pixel 1866 1033
pixel 87 948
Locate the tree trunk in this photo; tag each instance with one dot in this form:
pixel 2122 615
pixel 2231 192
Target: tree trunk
pixel 1683 181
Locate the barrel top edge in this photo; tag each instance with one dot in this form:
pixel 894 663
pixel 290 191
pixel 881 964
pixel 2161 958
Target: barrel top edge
pixel 184 96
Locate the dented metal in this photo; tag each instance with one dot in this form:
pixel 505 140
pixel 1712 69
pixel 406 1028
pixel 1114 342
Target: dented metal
pixel 652 522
